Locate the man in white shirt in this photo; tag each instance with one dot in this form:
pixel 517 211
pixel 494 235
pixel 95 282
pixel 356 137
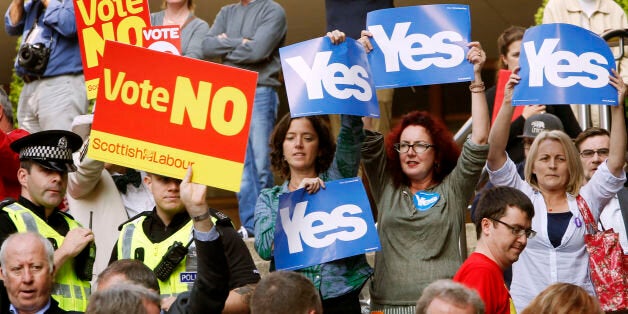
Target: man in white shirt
pixel 593 145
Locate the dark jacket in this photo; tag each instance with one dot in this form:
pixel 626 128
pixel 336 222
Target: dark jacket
pixel 53 309
pixel 211 287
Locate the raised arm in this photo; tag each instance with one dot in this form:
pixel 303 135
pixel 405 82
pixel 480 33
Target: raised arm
pixel 479 109
pixel 211 287
pixel 87 175
pixel 16 12
pixel 59 15
pixel 498 137
pixel 617 150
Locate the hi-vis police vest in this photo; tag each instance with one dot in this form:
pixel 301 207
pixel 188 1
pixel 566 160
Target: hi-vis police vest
pixel 71 292
pixel 134 244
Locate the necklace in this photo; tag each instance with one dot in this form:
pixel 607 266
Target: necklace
pixel 551 208
pixel 293 186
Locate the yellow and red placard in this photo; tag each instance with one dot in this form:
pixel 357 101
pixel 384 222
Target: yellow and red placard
pixel 160 113
pixel 166 38
pixel 101 20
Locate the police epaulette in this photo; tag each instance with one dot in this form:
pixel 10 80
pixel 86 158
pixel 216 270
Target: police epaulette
pixel 144 213
pixel 221 218
pixel 6 202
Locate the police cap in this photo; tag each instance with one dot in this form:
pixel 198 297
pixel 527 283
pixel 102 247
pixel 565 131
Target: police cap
pixel 51 149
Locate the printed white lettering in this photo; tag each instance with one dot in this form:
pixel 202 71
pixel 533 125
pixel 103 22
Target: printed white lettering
pixel 406 48
pixel 307 227
pixel 564 68
pixel 330 76
pixel 160 33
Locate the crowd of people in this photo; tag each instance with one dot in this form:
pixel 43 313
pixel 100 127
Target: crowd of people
pixel 81 235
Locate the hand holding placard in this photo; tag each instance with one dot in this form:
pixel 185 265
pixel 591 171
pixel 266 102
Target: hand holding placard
pixel 558 70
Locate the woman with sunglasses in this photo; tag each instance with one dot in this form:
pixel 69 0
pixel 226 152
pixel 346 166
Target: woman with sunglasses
pixel 553 179
pixel 422 189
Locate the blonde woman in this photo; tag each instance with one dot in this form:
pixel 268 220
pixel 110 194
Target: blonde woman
pixel 553 179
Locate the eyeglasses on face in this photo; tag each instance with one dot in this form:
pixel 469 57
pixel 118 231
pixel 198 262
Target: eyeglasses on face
pixel 419 147
pixel 588 153
pixel 518 231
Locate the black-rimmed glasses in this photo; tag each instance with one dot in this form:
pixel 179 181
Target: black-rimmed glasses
pixel 418 148
pixel 588 153
pixel 518 231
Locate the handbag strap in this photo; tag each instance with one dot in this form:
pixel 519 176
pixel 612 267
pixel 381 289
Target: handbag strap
pixel 589 222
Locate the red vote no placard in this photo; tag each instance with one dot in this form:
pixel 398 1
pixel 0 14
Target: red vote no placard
pixel 100 20
pixel 161 113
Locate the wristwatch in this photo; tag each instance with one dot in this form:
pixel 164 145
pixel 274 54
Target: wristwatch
pixel 201 217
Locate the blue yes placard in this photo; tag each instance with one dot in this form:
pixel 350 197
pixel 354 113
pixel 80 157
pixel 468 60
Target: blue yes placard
pixel 420 45
pixel 331 224
pixel 323 78
pixel 564 64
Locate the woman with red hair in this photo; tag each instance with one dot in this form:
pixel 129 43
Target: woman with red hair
pixel 422 188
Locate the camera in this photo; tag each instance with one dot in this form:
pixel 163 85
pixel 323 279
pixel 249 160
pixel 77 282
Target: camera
pixel 34 58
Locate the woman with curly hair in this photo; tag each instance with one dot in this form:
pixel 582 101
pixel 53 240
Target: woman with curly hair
pixel 303 151
pixel 422 188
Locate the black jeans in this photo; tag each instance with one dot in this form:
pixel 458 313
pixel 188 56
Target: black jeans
pixel 345 304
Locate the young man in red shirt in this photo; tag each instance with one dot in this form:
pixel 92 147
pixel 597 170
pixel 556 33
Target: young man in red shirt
pixel 503 220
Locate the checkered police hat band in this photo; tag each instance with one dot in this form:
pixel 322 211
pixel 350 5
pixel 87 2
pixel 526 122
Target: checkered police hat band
pixel 45 153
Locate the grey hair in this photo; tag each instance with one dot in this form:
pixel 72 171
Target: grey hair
pixel 452 292
pixel 122 298
pixel 7 106
pixel 50 251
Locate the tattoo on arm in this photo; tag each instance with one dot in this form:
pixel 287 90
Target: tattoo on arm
pixel 246 292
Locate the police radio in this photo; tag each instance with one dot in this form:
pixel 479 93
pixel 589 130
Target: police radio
pixel 176 253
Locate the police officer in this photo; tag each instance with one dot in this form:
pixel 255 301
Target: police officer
pixel 45 160
pixel 151 237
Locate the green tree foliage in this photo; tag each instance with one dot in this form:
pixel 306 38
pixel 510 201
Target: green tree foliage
pixel 16 85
